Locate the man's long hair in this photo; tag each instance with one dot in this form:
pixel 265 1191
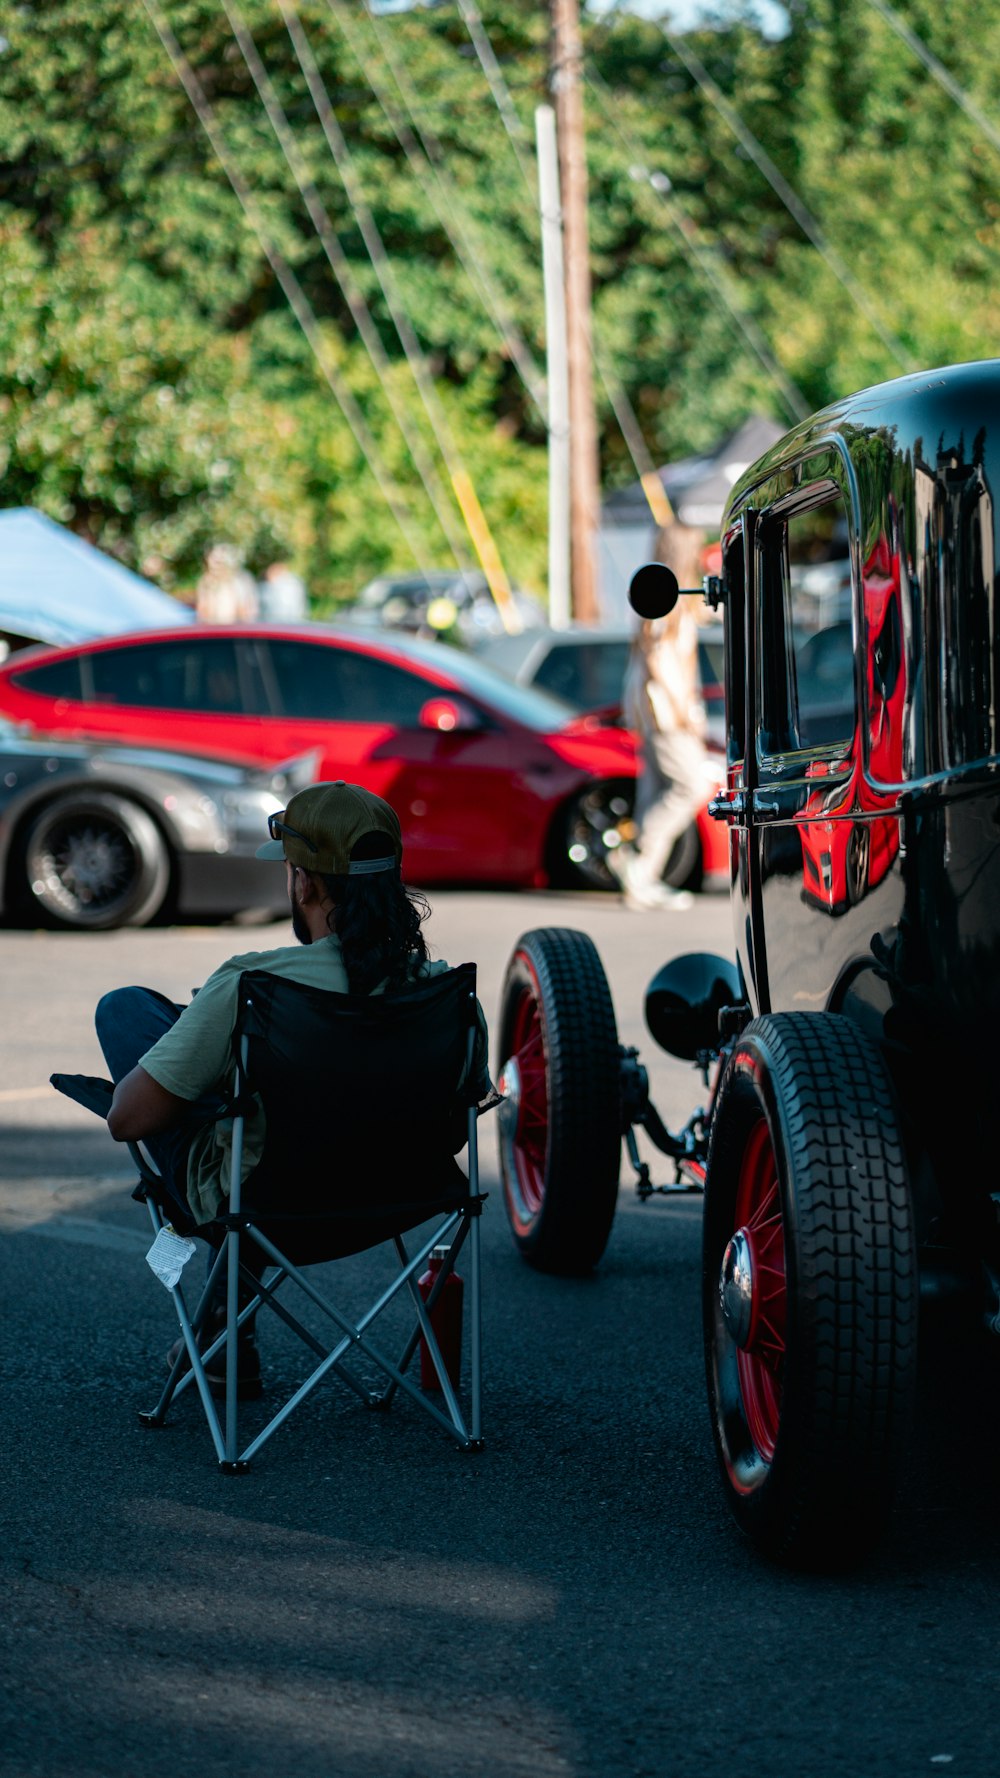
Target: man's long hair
pixel 377 920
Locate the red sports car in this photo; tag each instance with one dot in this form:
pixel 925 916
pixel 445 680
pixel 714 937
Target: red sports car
pixel 494 782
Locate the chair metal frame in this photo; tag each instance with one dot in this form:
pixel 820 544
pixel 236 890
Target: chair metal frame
pixel 454 1228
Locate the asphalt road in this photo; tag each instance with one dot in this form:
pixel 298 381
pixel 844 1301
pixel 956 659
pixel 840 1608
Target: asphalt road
pixel 369 1602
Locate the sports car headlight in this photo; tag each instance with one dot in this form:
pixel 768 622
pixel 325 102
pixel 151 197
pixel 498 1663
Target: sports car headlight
pixel 246 812
pixel 201 823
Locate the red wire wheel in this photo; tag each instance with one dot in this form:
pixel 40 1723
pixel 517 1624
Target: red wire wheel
pixel 810 1288
pixel 760 1362
pixel 530 1142
pixel 559 1127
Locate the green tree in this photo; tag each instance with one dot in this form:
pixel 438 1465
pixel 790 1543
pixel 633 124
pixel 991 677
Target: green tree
pixel 158 394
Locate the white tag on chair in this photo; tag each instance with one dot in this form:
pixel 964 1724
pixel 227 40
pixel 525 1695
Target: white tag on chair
pixel 169 1255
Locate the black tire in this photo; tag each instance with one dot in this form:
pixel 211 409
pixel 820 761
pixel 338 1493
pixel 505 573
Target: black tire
pixel 599 813
pixel 92 860
pixel 579 853
pixel 810 1288
pixel 559 1128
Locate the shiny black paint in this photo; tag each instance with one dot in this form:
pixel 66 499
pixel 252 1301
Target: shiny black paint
pixel 684 1000
pixel 866 877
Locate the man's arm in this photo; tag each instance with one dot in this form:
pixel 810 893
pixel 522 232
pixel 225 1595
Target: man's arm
pixel 141 1107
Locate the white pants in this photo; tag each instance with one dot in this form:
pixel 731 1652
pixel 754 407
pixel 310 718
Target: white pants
pixel 669 793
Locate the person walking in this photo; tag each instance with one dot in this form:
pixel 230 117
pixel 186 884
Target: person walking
pixel 663 706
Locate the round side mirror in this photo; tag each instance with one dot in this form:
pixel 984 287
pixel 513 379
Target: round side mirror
pixel 684 999
pixel 653 590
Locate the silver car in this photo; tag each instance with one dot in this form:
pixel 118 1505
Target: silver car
pixel 94 836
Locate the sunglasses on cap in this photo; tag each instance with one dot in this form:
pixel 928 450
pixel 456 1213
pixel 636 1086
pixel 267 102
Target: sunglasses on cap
pixel 276 827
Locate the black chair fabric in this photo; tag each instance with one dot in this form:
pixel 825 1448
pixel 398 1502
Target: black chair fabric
pixel 89 1090
pixel 360 1094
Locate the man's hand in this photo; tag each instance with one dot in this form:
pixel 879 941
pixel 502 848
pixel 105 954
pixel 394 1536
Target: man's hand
pixel 141 1107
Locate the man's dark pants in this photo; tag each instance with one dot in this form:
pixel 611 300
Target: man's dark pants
pixel 129 1021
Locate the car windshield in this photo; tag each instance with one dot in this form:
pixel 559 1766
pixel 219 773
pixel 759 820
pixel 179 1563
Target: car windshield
pixel 537 710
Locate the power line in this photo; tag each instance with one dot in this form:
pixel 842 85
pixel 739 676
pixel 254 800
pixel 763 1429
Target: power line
pixel 790 198
pixel 704 261
pixel 621 407
pixel 340 266
pixel 461 481
pixel 516 132
pixel 939 71
pixel 432 156
pixel 425 157
pixel 292 289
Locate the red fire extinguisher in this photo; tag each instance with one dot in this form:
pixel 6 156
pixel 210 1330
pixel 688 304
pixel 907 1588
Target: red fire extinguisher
pixel 446 1320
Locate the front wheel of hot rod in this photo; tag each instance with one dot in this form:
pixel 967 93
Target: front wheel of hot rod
pixel 560 1124
pixel 810 1289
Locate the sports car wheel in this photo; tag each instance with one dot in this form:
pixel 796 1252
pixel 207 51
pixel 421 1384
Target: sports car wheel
pixel 94 860
pixel 810 1288
pixel 560 1124
pixel 596 823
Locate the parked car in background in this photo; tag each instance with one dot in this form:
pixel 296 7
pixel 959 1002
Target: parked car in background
pixel 586 668
pixel 494 782
pixel 95 835
pixel 435 603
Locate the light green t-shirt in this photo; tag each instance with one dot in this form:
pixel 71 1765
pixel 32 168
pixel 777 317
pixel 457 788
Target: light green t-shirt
pixel 195 1056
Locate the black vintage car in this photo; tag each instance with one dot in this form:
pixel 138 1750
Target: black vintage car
pixel 847 1151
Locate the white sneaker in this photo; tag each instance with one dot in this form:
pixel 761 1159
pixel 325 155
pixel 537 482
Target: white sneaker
pixel 643 896
pixel 646 897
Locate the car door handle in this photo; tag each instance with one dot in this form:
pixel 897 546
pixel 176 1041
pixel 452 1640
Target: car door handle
pixel 728 805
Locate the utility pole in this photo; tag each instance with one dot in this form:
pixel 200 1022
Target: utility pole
pixel 567 91
pixel 557 368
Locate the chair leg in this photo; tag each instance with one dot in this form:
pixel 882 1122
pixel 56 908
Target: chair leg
pixel 232 1317
pixel 230 1462
pixel 476 1336
pixel 356 1336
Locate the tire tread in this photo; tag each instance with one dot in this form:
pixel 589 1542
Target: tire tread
pixel 851 1365
pixel 580 1037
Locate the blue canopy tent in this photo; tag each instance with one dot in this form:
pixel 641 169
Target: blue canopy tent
pixel 55 588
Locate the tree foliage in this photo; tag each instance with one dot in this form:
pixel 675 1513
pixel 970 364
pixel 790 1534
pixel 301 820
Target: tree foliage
pixel 158 395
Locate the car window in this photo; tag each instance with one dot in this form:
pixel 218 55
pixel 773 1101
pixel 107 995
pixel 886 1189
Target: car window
pixel 711 666
pixel 52 679
pixel 824 671
pixel 492 691
pixel 806 640
pixel 588 674
pixel 195 674
pixel 734 616
pixel 319 681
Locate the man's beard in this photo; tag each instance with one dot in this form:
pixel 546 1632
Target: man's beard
pixel 299 926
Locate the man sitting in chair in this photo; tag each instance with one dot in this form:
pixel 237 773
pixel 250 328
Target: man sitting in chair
pixel 359 932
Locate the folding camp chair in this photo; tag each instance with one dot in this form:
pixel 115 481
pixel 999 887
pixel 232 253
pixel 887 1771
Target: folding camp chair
pixel 366 1101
